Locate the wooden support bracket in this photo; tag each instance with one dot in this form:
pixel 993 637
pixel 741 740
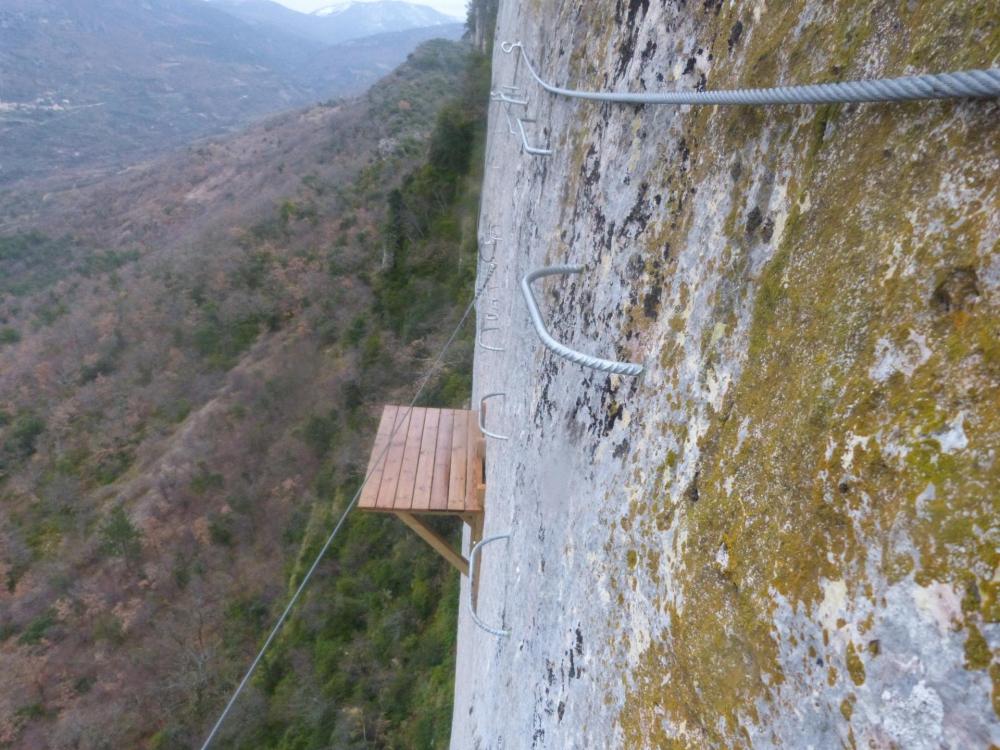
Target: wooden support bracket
pixel 440 546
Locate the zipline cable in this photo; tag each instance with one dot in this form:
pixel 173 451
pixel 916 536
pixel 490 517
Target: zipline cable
pixel 343 517
pixel 957 85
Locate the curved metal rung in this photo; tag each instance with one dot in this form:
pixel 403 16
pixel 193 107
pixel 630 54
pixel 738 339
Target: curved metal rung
pixel 499 632
pixel 534 150
pixel 494 255
pixel 494 234
pixel 604 365
pixel 487 346
pixel 505 98
pixel 482 426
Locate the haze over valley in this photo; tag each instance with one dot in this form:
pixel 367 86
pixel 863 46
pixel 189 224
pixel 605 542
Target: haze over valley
pixel 99 84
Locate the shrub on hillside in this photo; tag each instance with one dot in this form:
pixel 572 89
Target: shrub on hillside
pixel 119 536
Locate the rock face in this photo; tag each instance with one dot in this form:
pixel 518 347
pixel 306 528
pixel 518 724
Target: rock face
pixel 784 534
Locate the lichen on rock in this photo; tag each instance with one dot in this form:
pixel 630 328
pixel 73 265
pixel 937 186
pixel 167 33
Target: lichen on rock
pixel 799 546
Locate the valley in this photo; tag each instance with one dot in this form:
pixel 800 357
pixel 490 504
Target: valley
pixel 161 74
pixel 192 354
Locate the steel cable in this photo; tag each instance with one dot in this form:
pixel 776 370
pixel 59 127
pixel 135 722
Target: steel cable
pixel 340 523
pixel 963 84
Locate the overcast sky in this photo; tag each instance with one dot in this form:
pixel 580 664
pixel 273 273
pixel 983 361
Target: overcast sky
pixel 451 7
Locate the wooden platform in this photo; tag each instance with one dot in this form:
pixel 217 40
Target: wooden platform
pixel 434 465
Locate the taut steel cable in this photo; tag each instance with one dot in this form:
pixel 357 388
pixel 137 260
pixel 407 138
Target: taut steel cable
pixel 964 84
pixel 350 506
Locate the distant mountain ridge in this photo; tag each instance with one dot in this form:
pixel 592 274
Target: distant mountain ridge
pixel 338 22
pixel 104 83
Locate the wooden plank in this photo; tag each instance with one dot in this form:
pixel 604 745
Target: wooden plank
pixel 459 462
pixel 473 464
pixel 440 545
pixel 393 462
pixel 442 461
pixel 370 491
pixel 425 463
pixel 408 471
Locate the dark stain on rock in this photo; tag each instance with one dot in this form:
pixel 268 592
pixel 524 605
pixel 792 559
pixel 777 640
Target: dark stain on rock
pixel 609 236
pixel 683 150
pixel 734 35
pixel 958 291
pixel 615 412
pixel 634 267
pixel 561 710
pixel 689 68
pixel 625 15
pixel 691 493
pixel 640 213
pixel 767 229
pixel 579 642
pixel 736 170
pixel 546 406
pixel 591 176
pixel 610 411
pixel 754 220
pixel 649 51
pixel 621 450
pixel 574 429
pixel 651 302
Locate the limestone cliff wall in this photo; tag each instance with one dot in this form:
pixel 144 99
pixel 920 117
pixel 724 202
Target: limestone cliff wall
pixel 784 534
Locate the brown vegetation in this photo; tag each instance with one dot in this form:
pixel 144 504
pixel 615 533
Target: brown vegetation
pixel 186 396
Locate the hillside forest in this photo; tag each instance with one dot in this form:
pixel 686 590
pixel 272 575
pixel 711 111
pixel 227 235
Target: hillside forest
pixel 193 355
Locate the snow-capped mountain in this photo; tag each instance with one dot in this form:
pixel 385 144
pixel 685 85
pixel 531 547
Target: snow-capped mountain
pixel 333 9
pixel 381 15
